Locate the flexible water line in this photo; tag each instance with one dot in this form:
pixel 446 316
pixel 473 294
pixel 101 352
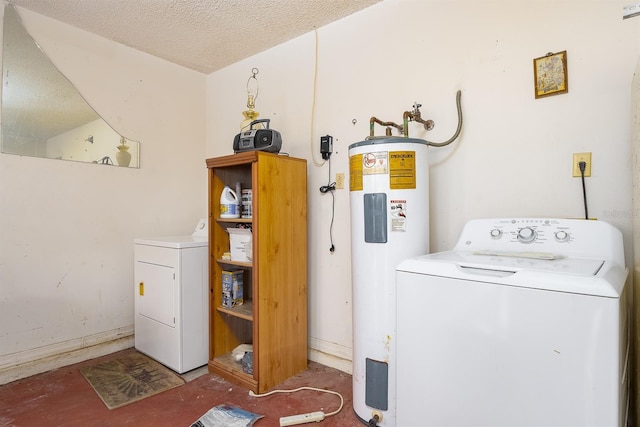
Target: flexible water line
pixel 455 135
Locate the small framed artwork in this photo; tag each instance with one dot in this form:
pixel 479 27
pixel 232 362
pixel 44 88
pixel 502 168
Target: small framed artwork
pixel 550 74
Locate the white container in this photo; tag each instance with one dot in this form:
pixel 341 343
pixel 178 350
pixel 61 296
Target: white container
pixel 240 244
pixel 389 192
pixel 229 203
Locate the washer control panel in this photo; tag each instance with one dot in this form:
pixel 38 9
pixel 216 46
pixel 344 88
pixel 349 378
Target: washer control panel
pixel 529 234
pixel 566 237
pixel 530 230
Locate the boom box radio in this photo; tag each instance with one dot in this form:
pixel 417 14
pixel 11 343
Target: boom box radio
pixel 258 139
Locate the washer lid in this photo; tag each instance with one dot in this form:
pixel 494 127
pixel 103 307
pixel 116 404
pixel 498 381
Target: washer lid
pixel 516 261
pixel 574 275
pixel 176 242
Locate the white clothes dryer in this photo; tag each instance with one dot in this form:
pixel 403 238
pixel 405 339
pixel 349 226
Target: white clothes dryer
pixel 172 299
pixel 524 323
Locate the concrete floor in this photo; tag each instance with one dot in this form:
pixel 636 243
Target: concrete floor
pixel 64 398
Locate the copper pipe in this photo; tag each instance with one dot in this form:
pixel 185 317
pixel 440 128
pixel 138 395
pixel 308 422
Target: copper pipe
pixel 374 120
pixel 416 116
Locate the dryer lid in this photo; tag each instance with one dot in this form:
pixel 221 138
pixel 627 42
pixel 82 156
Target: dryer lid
pixel 174 242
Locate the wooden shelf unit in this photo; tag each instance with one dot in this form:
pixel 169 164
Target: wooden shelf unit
pixel 274 315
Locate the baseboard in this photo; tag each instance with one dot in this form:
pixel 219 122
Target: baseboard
pixel 31 362
pixel 42 359
pixel 330 354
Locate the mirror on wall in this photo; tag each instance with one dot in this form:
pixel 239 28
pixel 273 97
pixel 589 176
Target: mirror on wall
pixel 43 115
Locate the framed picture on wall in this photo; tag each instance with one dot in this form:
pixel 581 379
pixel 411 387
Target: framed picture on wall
pixel 550 74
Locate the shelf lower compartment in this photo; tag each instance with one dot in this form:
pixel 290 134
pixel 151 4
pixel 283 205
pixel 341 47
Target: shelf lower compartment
pixel 230 370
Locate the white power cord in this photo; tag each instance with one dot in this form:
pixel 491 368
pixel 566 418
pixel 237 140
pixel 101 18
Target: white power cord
pixel 293 420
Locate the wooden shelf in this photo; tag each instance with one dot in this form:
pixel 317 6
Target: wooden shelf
pixel 236 263
pixel 243 311
pixel 226 367
pixel 235 220
pixel 273 317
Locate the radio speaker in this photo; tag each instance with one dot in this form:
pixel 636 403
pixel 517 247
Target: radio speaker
pixel 258 139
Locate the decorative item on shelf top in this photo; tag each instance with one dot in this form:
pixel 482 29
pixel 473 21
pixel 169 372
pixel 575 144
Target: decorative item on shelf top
pixel 123 157
pixel 250 115
pixel 258 139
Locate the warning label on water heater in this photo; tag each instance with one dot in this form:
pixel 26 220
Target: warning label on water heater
pixel 402 170
pixel 399 165
pixel 366 164
pixel 374 163
pixel 398 210
pixel 355 173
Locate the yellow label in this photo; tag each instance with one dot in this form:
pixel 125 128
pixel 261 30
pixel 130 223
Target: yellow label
pixel 141 288
pixel 355 173
pixel 402 170
pixel 375 163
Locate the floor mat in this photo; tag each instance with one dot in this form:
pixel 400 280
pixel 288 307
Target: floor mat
pixel 130 378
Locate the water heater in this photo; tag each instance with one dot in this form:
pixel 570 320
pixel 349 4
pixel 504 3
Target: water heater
pixel 389 192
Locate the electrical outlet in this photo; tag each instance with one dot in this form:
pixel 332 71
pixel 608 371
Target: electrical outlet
pixel 581 157
pixel 339 181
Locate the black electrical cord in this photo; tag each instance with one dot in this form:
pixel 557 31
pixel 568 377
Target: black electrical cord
pixel 582 166
pixel 330 188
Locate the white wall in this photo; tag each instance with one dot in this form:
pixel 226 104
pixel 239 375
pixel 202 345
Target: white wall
pixel 514 155
pixel 67 228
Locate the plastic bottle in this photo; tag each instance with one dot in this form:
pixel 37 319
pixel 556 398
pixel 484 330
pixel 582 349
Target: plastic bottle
pixel 229 203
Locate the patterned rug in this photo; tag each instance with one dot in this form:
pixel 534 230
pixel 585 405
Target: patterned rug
pixel 130 378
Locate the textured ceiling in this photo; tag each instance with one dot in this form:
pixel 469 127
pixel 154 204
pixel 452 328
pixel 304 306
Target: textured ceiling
pixel 204 35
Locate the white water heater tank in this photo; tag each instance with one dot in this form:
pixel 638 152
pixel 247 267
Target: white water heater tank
pixel 389 191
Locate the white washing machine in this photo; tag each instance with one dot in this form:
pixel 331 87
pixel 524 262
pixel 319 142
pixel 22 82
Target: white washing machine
pixel 524 323
pixel 171 276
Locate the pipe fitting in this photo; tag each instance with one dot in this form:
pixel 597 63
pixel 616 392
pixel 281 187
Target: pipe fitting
pixel 376 417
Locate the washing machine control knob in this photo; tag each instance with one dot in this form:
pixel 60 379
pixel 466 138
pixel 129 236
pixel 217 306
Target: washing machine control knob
pixel 562 236
pixel 526 235
pixel 495 233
